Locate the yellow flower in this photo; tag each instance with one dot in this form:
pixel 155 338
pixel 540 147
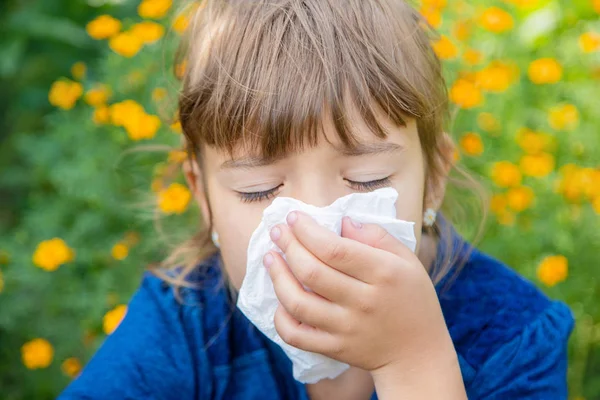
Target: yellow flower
pixel 471 144
pixel 140 125
pixel 71 367
pixel 498 203
pixel 176 127
pixel 37 353
pixel 103 27
pixel 533 142
pixel 466 94
pixel 488 122
pixel 545 71
pixel 78 70
pixel 495 19
pixel 101 115
pixel 154 8
pixel 445 49
pixel 472 57
pixel 552 270
pixel 51 254
pixel 520 198
pixel 119 251
pixel 98 96
pixel 589 42
pixel 174 199
pixel 180 69
pixel 439 4
pixel 64 94
pixel 432 16
pixel 596 4
pixel 462 30
pixel 497 77
pixel 119 112
pixel 506 174
pixel 148 31
pixel 159 93
pixel 125 44
pixel 113 318
pixel 506 218
pixel 177 156
pixel 564 117
pixel 181 23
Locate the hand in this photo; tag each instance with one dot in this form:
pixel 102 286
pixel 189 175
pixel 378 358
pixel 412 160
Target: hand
pixel 372 303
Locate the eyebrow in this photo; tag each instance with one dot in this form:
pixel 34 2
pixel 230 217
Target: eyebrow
pixel 360 149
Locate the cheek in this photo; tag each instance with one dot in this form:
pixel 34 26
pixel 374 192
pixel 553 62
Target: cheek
pixel 235 222
pixel 409 206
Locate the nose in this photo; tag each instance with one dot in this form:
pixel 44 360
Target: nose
pixel 318 194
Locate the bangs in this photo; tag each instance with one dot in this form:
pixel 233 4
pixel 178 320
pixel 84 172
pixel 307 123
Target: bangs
pixel 264 76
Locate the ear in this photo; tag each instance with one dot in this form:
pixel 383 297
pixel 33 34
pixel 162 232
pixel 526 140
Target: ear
pixel 444 161
pixel 193 177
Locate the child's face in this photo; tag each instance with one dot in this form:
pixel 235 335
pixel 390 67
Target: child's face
pixel 239 191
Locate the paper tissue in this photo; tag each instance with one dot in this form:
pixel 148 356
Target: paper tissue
pixel 257 299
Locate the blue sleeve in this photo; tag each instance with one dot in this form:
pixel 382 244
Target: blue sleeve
pixel 531 366
pixel 147 357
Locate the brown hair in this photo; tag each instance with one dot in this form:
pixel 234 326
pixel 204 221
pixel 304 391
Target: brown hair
pixel 263 74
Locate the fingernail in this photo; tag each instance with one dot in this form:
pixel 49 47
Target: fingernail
pixel 268 260
pixel 275 234
pixel 355 224
pixel 292 218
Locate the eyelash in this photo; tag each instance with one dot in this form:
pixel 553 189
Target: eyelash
pixel 250 197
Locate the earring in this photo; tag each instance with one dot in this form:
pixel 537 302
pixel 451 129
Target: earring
pixel 215 239
pixel 429 217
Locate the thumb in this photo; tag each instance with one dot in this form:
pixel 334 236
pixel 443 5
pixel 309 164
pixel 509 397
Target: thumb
pixel 375 236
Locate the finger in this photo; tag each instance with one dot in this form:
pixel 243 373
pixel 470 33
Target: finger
pixel 374 236
pixel 303 306
pixel 302 336
pixel 348 256
pixel 327 282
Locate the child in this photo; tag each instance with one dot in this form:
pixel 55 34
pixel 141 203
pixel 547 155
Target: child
pixel 317 99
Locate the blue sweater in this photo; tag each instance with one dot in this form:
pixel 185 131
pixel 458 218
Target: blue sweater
pixel 511 341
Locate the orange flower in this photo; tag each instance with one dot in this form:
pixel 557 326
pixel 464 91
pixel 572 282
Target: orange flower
pixel 154 8
pixel 498 203
pixel 472 57
pixel 113 318
pixel 552 270
pixel 103 27
pixel 471 144
pixel 101 115
pixel 78 70
pixel 181 23
pixel 445 49
pixel 564 117
pixel 589 42
pixel 174 199
pixel 176 127
pixel 439 4
pixel 125 44
pixel 506 174
pixel 466 94
pixel 596 4
pixel 462 30
pixel 488 122
pixel 98 96
pixel 51 254
pixel 37 353
pixel 71 367
pixel 148 31
pixel 177 156
pixel 64 94
pixel 140 125
pixel 119 251
pixel 495 19
pixel 497 77
pixel 520 198
pixel 545 71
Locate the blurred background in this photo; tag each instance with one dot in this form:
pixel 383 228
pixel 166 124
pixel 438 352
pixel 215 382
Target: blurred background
pixel 90 192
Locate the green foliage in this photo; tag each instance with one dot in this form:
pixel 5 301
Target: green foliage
pixel 89 183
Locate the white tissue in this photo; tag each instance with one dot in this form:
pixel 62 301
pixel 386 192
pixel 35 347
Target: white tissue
pixel 257 299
